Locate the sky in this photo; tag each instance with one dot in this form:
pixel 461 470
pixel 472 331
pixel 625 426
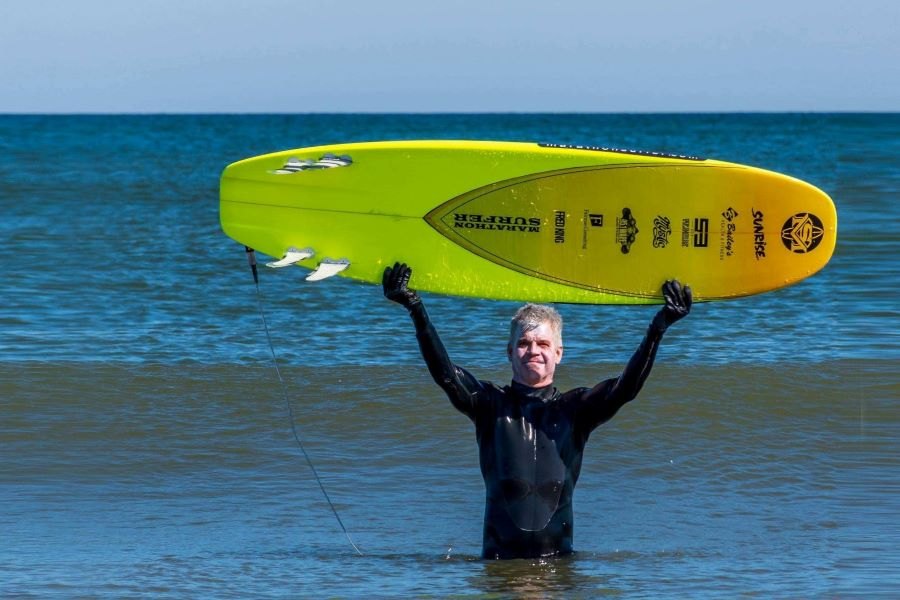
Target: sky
pixel 258 56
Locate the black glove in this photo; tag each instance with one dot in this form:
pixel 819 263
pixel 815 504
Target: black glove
pixel 394 282
pixel 678 304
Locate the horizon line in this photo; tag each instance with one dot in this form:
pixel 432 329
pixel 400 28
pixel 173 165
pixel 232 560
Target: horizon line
pixel 444 113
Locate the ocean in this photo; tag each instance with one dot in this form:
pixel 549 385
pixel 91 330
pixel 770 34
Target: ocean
pixel 146 448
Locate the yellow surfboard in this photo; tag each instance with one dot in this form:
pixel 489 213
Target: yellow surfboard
pixel 530 222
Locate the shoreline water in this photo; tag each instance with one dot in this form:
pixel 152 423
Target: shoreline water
pixel 146 448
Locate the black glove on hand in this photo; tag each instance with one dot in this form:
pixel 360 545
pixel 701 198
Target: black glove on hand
pixel 678 304
pixel 394 282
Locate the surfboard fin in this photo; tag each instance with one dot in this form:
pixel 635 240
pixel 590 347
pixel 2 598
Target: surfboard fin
pixel 290 257
pixel 328 268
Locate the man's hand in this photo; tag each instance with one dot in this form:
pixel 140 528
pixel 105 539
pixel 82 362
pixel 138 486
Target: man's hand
pixel 395 283
pixel 678 304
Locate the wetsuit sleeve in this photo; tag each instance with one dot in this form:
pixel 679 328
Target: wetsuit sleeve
pixel 599 404
pixel 459 385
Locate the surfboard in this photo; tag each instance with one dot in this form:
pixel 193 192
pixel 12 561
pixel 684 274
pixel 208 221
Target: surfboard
pixel 529 221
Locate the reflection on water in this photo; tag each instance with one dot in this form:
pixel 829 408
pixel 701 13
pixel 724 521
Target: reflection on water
pixel 543 578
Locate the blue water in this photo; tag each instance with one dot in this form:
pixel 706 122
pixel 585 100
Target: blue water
pixel 145 448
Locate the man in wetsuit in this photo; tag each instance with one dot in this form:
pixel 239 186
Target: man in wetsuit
pixel 530 436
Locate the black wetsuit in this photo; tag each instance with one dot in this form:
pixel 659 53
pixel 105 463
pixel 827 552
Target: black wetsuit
pixel 530 443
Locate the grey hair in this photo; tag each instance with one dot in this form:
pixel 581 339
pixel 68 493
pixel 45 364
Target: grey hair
pixel 530 316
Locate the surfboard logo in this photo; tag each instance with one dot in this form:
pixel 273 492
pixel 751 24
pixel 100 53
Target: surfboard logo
pixel 327 161
pixel 698 235
pixel 802 233
pixel 729 227
pixel 621 151
pixel 626 230
pixel 516 224
pixel 559 233
pixel 759 234
pixel 662 229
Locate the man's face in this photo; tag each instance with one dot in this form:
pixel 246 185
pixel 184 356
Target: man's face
pixel 534 355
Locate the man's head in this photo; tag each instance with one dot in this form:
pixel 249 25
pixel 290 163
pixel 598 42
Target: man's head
pixel 535 344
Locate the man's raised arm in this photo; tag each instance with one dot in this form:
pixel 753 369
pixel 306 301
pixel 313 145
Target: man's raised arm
pixel 606 398
pixel 459 385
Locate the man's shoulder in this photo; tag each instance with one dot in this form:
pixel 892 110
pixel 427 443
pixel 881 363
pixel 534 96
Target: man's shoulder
pixel 479 387
pixel 467 376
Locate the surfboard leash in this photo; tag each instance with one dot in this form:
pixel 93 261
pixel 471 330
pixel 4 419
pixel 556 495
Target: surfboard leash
pixel 251 259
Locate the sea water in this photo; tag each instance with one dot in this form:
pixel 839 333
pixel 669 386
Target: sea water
pixel 146 445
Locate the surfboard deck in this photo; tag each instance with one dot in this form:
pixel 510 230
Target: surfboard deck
pixel 532 222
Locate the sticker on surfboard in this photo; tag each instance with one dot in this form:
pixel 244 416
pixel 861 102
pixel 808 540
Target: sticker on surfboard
pixel 597 228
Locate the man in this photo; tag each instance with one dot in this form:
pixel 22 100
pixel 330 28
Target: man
pixel 530 436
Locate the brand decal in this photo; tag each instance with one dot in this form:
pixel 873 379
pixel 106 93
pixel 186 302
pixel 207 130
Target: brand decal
pixel 662 229
pixel 589 220
pixel 759 235
pixel 699 234
pixel 802 233
pixel 327 161
pixel 621 151
pixel 728 229
pixel 497 223
pixel 626 230
pixel 559 231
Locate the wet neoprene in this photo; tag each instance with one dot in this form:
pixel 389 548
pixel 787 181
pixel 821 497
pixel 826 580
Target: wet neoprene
pixel 530 442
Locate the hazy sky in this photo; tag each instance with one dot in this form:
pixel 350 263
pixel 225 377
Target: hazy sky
pixel 449 55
